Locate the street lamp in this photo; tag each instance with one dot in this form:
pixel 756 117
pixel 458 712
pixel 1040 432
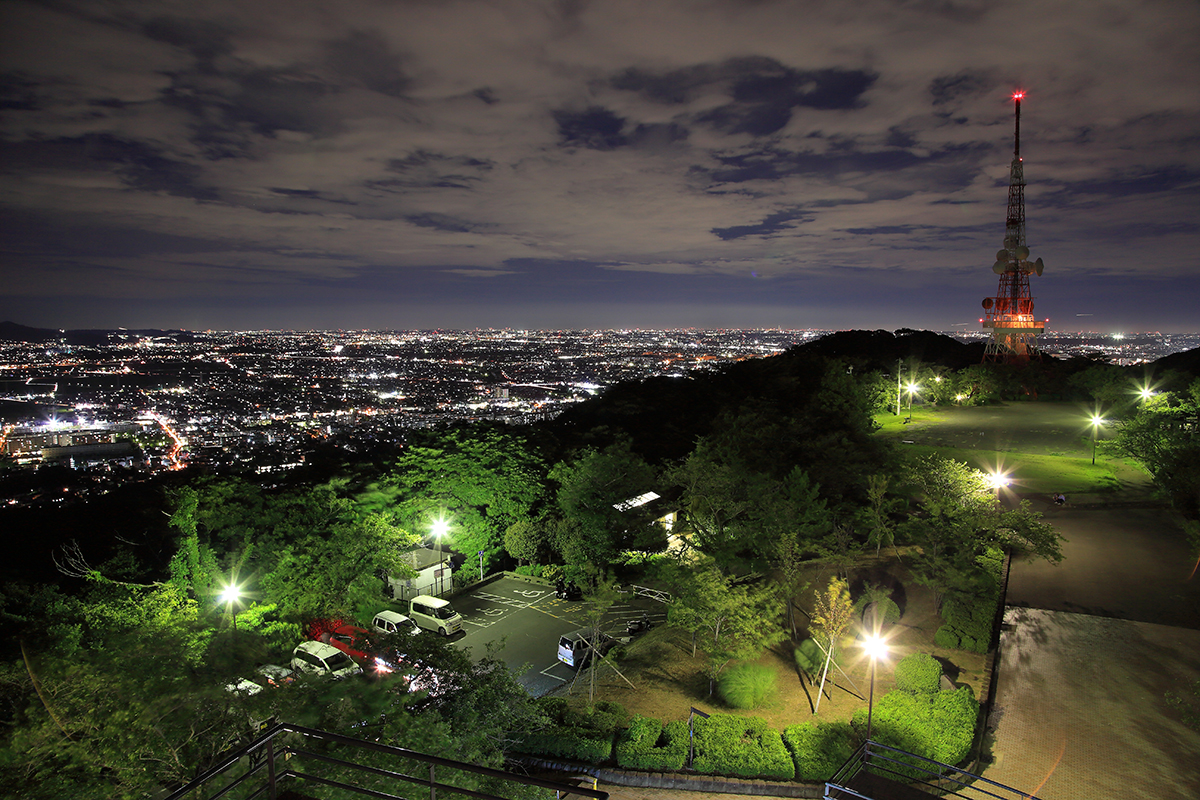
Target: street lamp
pixel 876 648
pixel 439 529
pixel 229 596
pixel 1097 421
pixel 998 480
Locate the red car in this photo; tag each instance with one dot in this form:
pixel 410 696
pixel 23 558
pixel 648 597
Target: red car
pixel 350 639
pixel 361 645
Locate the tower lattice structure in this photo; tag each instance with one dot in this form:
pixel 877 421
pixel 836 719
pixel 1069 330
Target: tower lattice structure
pixel 1009 314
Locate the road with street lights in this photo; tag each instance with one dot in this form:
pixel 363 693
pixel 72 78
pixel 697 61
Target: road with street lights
pixel 528 620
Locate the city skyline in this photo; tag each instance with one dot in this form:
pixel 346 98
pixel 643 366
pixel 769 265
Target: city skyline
pixel 571 165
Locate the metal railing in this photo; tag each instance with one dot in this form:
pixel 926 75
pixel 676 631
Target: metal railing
pixel 259 768
pixel 933 777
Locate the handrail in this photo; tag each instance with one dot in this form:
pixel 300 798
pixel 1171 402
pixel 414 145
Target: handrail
pixel 260 761
pixel 880 757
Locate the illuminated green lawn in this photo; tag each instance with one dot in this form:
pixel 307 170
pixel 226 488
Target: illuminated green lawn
pixel 1044 448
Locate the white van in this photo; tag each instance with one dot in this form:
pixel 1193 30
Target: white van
pixel 434 614
pixel 393 622
pixel 575 649
pixel 318 658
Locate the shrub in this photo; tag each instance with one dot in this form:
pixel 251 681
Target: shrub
pixel 575 733
pixel 946 637
pixel 886 612
pixel 562 743
pixel 646 744
pixel 919 673
pixel 747 685
pixel 809 658
pixel 818 750
pixel 939 726
pixel 741 746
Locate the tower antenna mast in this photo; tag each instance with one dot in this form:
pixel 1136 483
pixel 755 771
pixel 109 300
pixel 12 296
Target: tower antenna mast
pixel 1009 314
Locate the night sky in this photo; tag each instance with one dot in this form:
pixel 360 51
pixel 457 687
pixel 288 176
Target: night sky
pixel 418 164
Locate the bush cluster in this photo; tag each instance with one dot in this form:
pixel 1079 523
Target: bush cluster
pixel 741 746
pixel 647 744
pixel 919 673
pixel 819 749
pixel 939 726
pixel 747 685
pixel 583 735
pixel 969 619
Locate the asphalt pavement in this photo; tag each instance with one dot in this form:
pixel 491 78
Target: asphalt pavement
pixel 526 621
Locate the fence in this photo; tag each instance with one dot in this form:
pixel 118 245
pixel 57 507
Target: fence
pixel 259 769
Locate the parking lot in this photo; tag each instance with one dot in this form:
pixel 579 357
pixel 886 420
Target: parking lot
pixel 528 620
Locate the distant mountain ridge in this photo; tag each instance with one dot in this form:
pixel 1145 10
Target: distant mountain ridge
pixel 14 332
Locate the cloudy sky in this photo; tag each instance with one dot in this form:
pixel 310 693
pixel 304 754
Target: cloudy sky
pixel 674 163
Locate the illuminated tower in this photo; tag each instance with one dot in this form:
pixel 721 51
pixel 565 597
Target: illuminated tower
pixel 1010 313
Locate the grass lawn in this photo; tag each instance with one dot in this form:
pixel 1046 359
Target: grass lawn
pixel 1044 447
pixel 668 680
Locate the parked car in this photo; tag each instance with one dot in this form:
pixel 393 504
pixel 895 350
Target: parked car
pixel 266 676
pixel 434 614
pixel 388 621
pixel 319 658
pixel 575 649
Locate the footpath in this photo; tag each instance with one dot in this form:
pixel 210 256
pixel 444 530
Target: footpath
pixel 1089 650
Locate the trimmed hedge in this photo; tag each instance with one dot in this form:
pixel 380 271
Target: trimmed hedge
pixel 580 734
pixel 920 673
pixel 742 747
pixel 819 749
pixel 564 743
pixel 646 744
pixel 946 637
pixel 940 726
pixel 748 685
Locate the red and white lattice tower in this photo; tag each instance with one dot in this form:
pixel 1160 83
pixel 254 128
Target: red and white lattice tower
pixel 1009 314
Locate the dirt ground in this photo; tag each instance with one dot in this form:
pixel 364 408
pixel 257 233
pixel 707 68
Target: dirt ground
pixel 667 680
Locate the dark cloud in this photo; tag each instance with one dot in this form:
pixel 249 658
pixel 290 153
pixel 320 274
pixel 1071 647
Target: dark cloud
pixel 772 223
pixel 595 128
pixel 364 58
pixel 424 169
pixel 1175 179
pixel 764 92
pixel 18 92
pixel 204 39
pixel 951 88
pixel 657 134
pixel 441 222
pixel 139 165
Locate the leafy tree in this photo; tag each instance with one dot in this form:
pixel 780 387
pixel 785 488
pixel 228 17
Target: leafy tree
pixel 481 479
pixel 959 519
pixel 526 540
pixel 832 614
pixel 592 490
pixel 729 621
pixel 1161 435
pixel 881 530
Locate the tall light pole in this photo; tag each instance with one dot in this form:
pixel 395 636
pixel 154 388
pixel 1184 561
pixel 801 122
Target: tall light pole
pixel 876 648
pixel 440 526
pixel 229 596
pixel 1097 421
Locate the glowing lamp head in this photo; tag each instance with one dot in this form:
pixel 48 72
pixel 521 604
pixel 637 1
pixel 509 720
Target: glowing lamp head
pixel 998 480
pixel 230 594
pixel 912 387
pixel 1097 420
pixel 440 527
pixel 876 647
pixel 1146 394
pixel 1018 95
